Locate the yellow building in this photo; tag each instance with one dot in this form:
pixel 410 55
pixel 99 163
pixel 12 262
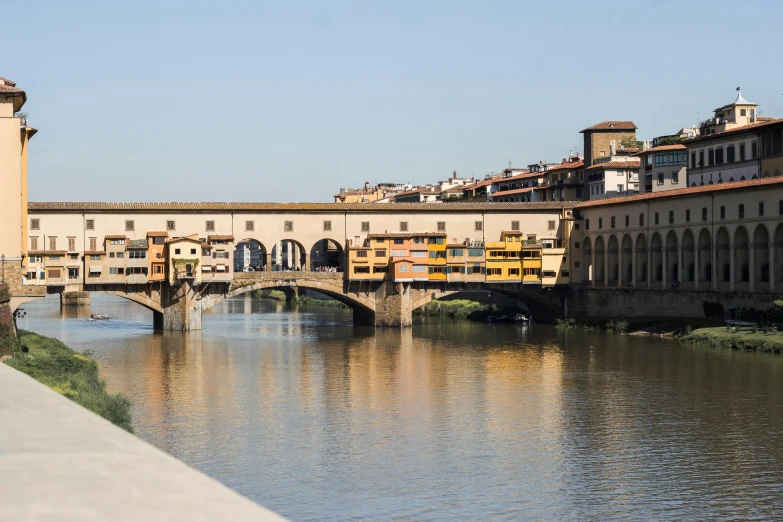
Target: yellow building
pixel 436 263
pixel 503 258
pixel 531 261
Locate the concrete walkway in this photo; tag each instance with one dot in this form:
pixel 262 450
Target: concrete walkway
pixel 59 461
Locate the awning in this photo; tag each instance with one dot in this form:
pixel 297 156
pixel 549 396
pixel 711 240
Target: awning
pixel 221 268
pixel 206 268
pixel 96 269
pixel 74 266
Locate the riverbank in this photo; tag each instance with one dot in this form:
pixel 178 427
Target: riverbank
pixel 268 293
pixel 749 340
pixel 653 326
pixel 70 374
pixel 465 309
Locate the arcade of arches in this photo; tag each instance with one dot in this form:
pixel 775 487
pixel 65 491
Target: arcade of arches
pixel 288 254
pixel 743 257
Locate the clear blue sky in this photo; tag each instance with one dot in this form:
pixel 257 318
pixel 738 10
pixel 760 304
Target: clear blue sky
pixel 289 101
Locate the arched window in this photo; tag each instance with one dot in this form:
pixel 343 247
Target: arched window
pixel 777 173
pixel 726 272
pixel 754 176
pixel 708 272
pixel 691 272
pixel 765 273
pixel 745 273
pixel 730 180
pixel 742 178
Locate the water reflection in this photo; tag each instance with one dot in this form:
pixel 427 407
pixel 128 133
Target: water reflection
pixel 319 420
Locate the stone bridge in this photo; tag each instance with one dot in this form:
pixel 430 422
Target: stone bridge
pixel 376 303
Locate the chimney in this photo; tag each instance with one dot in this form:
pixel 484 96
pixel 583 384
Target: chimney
pixel 455 174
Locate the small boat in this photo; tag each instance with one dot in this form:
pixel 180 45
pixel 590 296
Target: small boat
pixel 521 318
pixel 99 317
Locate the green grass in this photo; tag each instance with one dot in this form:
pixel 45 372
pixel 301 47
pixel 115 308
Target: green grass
pixel 745 339
pixel 460 308
pixel 71 374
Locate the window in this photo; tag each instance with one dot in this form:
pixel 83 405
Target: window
pixel 54 258
pixel 576 244
pixel 620 188
pixel 742 152
pixel 361 270
pixel 722 212
pixel 656 218
pixel 576 226
pixel 130 225
pixel 550 225
pixel 170 225
pixel 176 251
pixel 327 226
pixel 399 241
pixel 361 253
pixel 641 220
pixel 419 253
pixel 780 207
pixel 687 215
pixel 741 211
pixel 33 243
pixel 475 252
pixel 419 268
pixel 157 269
pixel 158 241
pixel 515 225
pixel 90 224
pixel 578 192
pixel 513 271
pixel 660 159
pixel 379 269
pixel 660 178
pixel 693 160
pixel 478 226
pixel 730 154
pixel 600 223
pixel 35 224
pixel 753 150
pixel 404 268
pixel 250 226
pixel 380 253
pixel 399 253
pixel 52 243
pixel 761 209
pixel 111 255
pixel 113 270
pixel 719 156
pixel 210 226
pixel 627 220
pixel 704 213
pixel 441 226
pixel 494 271
pixel 403 226
pixel 94 257
pixel 437 254
pixel 701 158
pixel 532 272
pixel 456 252
pixel 613 222
pixel 710 157
pixel 288 226
pixel 120 255
pixel 365 226
pixel 671 216
pixel 675 177
pixel 71 244
pixel 137 254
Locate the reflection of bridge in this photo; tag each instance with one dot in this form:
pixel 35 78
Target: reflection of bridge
pixel 381 303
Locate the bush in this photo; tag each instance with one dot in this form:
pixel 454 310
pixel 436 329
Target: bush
pixel 617 325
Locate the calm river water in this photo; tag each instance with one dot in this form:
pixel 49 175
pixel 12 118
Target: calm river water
pixel 319 420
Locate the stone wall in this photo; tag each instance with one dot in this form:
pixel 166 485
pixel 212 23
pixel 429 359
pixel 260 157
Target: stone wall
pixel 8 340
pixel 638 302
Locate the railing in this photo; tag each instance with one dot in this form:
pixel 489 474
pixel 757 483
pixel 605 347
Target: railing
pixel 287 275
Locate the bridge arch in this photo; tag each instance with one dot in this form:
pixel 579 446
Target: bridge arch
pixel 289 254
pixel 137 298
pixel 542 303
pixel 249 252
pixel 333 289
pixel 327 254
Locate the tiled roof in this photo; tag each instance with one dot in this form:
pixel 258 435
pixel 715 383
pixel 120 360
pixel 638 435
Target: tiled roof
pixel 571 165
pixel 690 191
pixel 408 234
pixel 220 237
pixel 281 207
pixel 115 236
pixel 501 193
pixel 662 148
pixel 512 232
pixel 94 252
pixel 632 163
pixel 157 233
pixel 612 125
pixel 46 253
pixel 455 245
pixel 744 128
pixel 183 238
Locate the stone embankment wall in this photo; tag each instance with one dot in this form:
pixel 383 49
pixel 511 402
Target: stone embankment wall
pixel 8 338
pixel 636 302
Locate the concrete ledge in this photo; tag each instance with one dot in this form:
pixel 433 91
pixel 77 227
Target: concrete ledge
pixel 60 461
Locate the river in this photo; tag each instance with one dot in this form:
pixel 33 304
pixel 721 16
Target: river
pixel 319 420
